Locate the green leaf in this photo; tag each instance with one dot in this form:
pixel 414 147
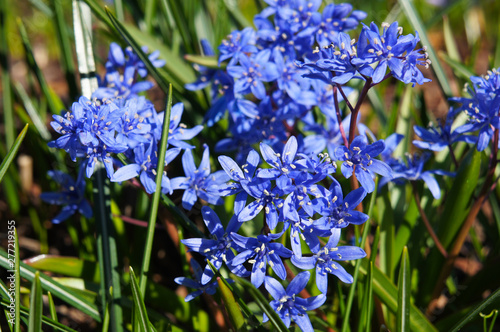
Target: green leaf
pixel 146 258
pixel 492 299
pixel 232 307
pixel 12 152
pixel 52 307
pixel 367 304
pixel 449 41
pixel 140 307
pixel 45 320
pixel 54 287
pixel 54 102
pixel 263 304
pixel 416 22
pixel 36 305
pixel 206 61
pixel 67 266
pixel 404 293
pixel 387 292
pixel 82 24
pixel 459 69
pixel 8 110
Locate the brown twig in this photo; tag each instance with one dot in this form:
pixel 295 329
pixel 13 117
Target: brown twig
pixel 427 224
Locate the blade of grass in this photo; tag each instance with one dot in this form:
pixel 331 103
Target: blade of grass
pixel 8 111
pixel 36 305
pixel 367 304
pixel 82 25
pixel 233 310
pixel 140 307
pixel 404 294
pixel 12 152
pixel 149 11
pixel 459 69
pixel 58 290
pixel 30 109
pixel 146 259
pixel 66 266
pixel 106 248
pixel 493 298
pixel 55 105
pixel 352 289
pixel 415 20
pixel 451 46
pixel 65 48
pixel 45 320
pixel 52 307
pixel 263 304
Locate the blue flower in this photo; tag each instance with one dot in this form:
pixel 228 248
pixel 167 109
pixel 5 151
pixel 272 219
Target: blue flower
pixel 337 211
pixel 440 137
pixel 412 170
pixel 252 72
pixel 89 131
pixel 72 195
pixel 197 182
pixel 359 158
pixel 133 128
pixel 145 165
pixel 178 132
pixel 284 167
pixel 218 248
pixel 288 305
pixel 324 261
pixel 259 252
pixel 201 288
pixel 237 44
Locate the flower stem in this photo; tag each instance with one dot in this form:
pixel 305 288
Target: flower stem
pixel 354 114
pixel 339 117
pixel 427 224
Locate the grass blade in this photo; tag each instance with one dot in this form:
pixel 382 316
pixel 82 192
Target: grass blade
pixel 404 294
pixel 55 105
pixel 140 307
pixel 67 266
pixel 493 298
pixel 387 292
pixel 17 269
pixel 65 48
pixel 52 307
pixel 34 116
pixel 8 111
pixel 12 152
pixel 146 259
pixel 232 307
pixel 83 42
pixel 416 22
pixel 367 305
pixel 263 304
pixel 36 305
pixel 54 287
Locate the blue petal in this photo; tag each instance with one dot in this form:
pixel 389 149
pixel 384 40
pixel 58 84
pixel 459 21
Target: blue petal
pixel 298 283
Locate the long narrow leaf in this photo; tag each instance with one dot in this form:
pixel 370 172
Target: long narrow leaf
pixel 8 111
pixel 67 266
pixel 52 307
pixel 36 305
pixel 404 294
pixel 146 259
pixel 45 320
pixel 17 269
pixel 12 152
pixel 387 292
pixel 140 307
pixel 53 101
pixel 54 287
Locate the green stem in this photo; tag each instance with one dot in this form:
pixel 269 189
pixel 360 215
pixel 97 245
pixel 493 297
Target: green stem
pixel 156 196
